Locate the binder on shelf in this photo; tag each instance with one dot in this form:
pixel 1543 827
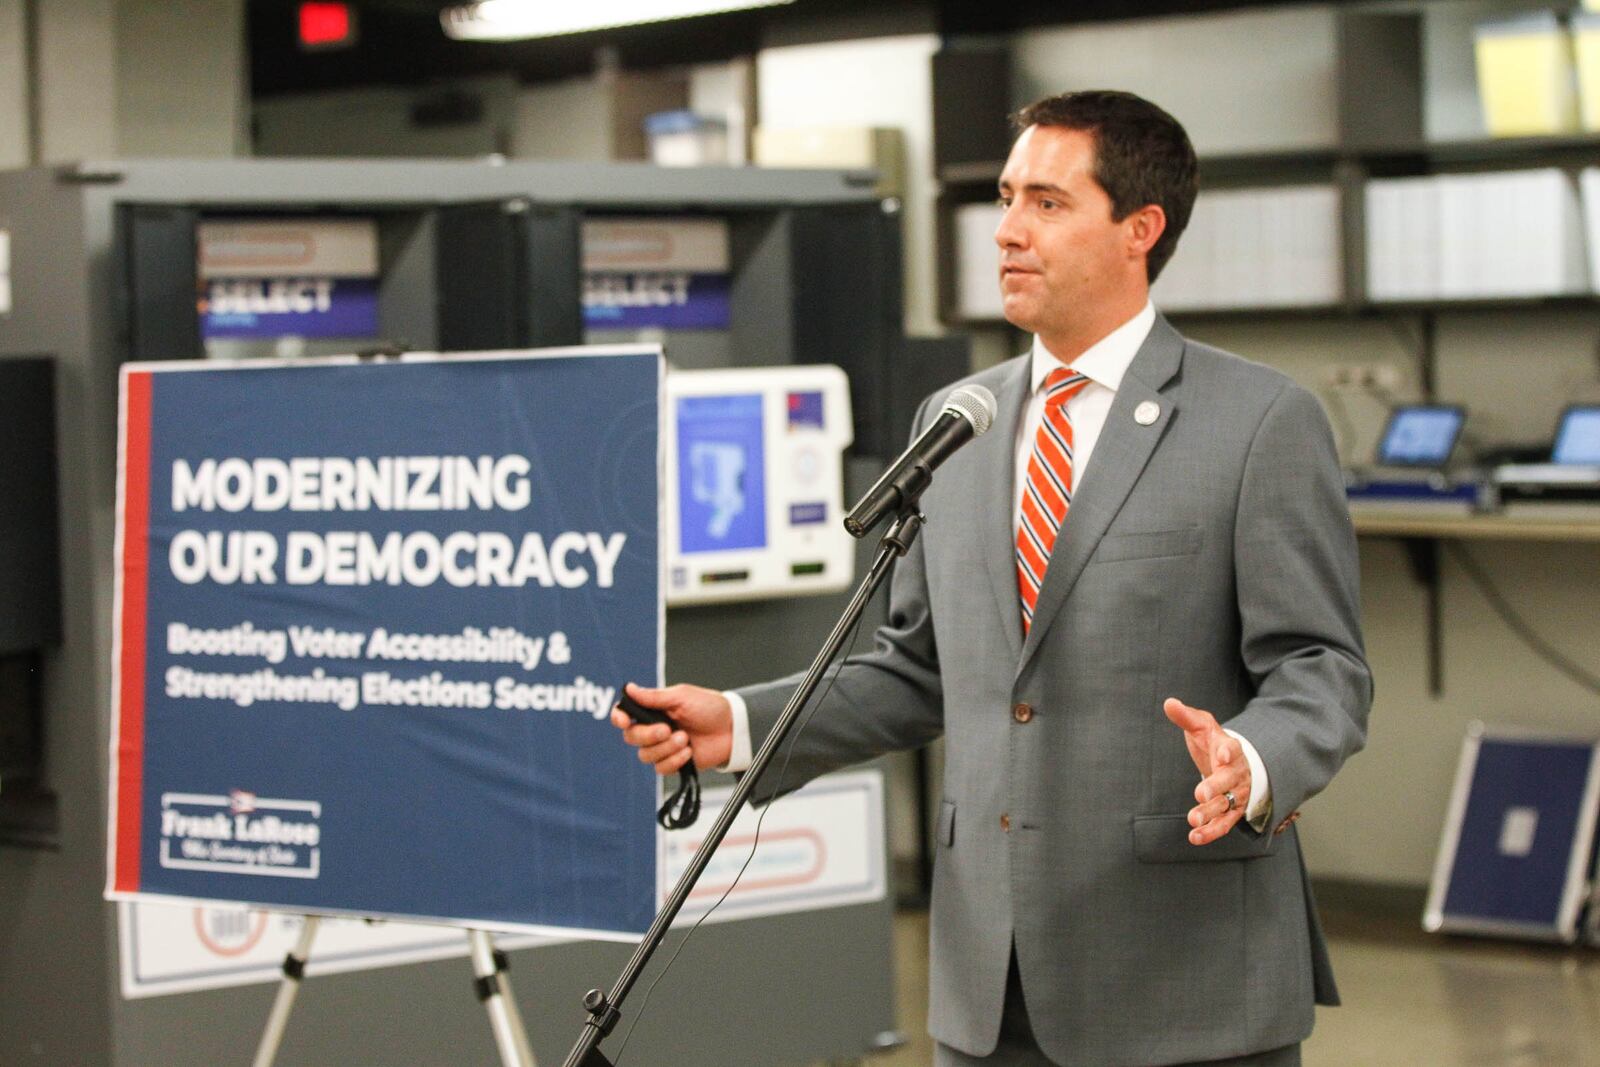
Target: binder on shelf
pixel 1402 234
pixel 1515 234
pixel 1257 248
pixel 977 261
pixel 1525 77
pixel 1589 182
pixel 879 148
pixel 1586 59
pixel 1243 249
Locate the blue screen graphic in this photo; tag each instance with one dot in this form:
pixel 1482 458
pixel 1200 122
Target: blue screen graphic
pixel 1578 440
pixel 722 499
pixel 1421 435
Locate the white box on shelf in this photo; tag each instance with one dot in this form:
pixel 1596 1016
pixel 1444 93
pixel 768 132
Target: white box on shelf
pixel 1402 239
pixel 1590 182
pixel 684 138
pixel 1256 248
pixel 1466 233
pixel 1185 279
pixel 977 261
pixel 1512 234
pixel 1304 259
pixel 879 148
pixel 1239 248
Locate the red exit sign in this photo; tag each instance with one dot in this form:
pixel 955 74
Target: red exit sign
pixel 326 26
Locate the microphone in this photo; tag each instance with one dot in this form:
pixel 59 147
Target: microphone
pixel 967 412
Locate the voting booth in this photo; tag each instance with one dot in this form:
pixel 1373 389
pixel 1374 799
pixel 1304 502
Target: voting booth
pixel 756 502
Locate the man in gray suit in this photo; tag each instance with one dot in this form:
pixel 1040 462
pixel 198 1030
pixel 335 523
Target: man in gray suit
pixel 1116 881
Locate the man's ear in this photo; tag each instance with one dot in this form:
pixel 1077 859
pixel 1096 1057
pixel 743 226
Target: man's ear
pixel 1144 228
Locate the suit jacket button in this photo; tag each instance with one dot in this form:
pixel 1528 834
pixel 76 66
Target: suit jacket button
pixel 1005 823
pixel 1022 712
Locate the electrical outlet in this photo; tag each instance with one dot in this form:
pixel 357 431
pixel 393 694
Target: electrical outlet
pixel 1361 376
pixel 1385 376
pixel 1342 375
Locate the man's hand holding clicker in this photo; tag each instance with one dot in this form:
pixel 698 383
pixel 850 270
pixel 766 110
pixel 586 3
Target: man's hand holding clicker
pixel 1224 790
pixel 702 730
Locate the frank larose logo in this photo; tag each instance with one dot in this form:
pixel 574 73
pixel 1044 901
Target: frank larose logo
pixel 241 833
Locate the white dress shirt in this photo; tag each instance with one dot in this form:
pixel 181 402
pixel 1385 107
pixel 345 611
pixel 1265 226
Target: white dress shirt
pixel 1104 364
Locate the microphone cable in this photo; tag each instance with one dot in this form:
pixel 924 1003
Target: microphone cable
pixel 805 720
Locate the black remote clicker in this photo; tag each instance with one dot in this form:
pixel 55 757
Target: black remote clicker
pixel 683 807
pixel 640 714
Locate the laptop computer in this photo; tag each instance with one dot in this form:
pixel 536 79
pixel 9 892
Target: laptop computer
pixel 1412 463
pixel 1572 474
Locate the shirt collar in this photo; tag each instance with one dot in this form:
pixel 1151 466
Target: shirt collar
pixel 1105 361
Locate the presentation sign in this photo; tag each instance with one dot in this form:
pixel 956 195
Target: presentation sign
pixel 820 847
pixel 370 621
pixel 169 949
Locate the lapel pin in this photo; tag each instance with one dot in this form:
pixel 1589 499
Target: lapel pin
pixel 1147 413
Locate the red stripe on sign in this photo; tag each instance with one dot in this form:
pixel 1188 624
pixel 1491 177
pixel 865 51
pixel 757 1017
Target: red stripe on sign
pixel 135 565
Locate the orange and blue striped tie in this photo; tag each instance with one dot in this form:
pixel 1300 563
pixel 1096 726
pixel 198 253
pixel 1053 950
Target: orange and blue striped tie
pixel 1048 491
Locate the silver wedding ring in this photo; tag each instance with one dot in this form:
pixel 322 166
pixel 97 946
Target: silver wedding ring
pixel 1231 802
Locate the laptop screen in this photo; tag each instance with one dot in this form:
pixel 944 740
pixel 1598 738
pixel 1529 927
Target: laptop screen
pixel 1578 436
pixel 1421 435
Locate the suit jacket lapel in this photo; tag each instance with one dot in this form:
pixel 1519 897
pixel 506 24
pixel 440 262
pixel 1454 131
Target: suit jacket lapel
pixel 1119 458
pixel 995 498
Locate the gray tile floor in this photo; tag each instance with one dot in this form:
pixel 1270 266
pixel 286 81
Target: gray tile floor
pixel 1410 1000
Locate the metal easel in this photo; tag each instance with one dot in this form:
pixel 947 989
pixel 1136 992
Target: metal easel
pixel 491 982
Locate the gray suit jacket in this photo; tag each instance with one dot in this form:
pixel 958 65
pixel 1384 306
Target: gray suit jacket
pixel 1207 556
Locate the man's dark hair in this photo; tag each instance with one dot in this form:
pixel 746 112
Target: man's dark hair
pixel 1141 156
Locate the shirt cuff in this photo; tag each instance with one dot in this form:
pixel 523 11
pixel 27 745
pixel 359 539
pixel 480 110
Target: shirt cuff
pixel 740 756
pixel 1259 813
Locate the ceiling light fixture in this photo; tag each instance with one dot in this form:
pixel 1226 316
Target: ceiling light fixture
pixel 514 20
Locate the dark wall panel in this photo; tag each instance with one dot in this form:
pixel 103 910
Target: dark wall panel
pixel 846 279
pixel 160 273
pixel 30 567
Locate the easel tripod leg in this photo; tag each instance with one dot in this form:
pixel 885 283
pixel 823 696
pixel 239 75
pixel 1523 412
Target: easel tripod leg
pixel 494 989
pixel 502 965
pixel 294 969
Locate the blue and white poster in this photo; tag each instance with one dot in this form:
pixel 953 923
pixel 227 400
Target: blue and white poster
pixel 371 618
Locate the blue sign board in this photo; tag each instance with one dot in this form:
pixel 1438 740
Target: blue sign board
pixel 371 619
pixel 1517 845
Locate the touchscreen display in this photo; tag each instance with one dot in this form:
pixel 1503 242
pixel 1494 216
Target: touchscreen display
pixel 1421 435
pixel 722 501
pixel 1578 437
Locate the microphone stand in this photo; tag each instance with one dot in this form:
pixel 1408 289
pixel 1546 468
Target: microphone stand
pixel 605 1009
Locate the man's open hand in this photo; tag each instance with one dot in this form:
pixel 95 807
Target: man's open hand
pixel 1223 769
